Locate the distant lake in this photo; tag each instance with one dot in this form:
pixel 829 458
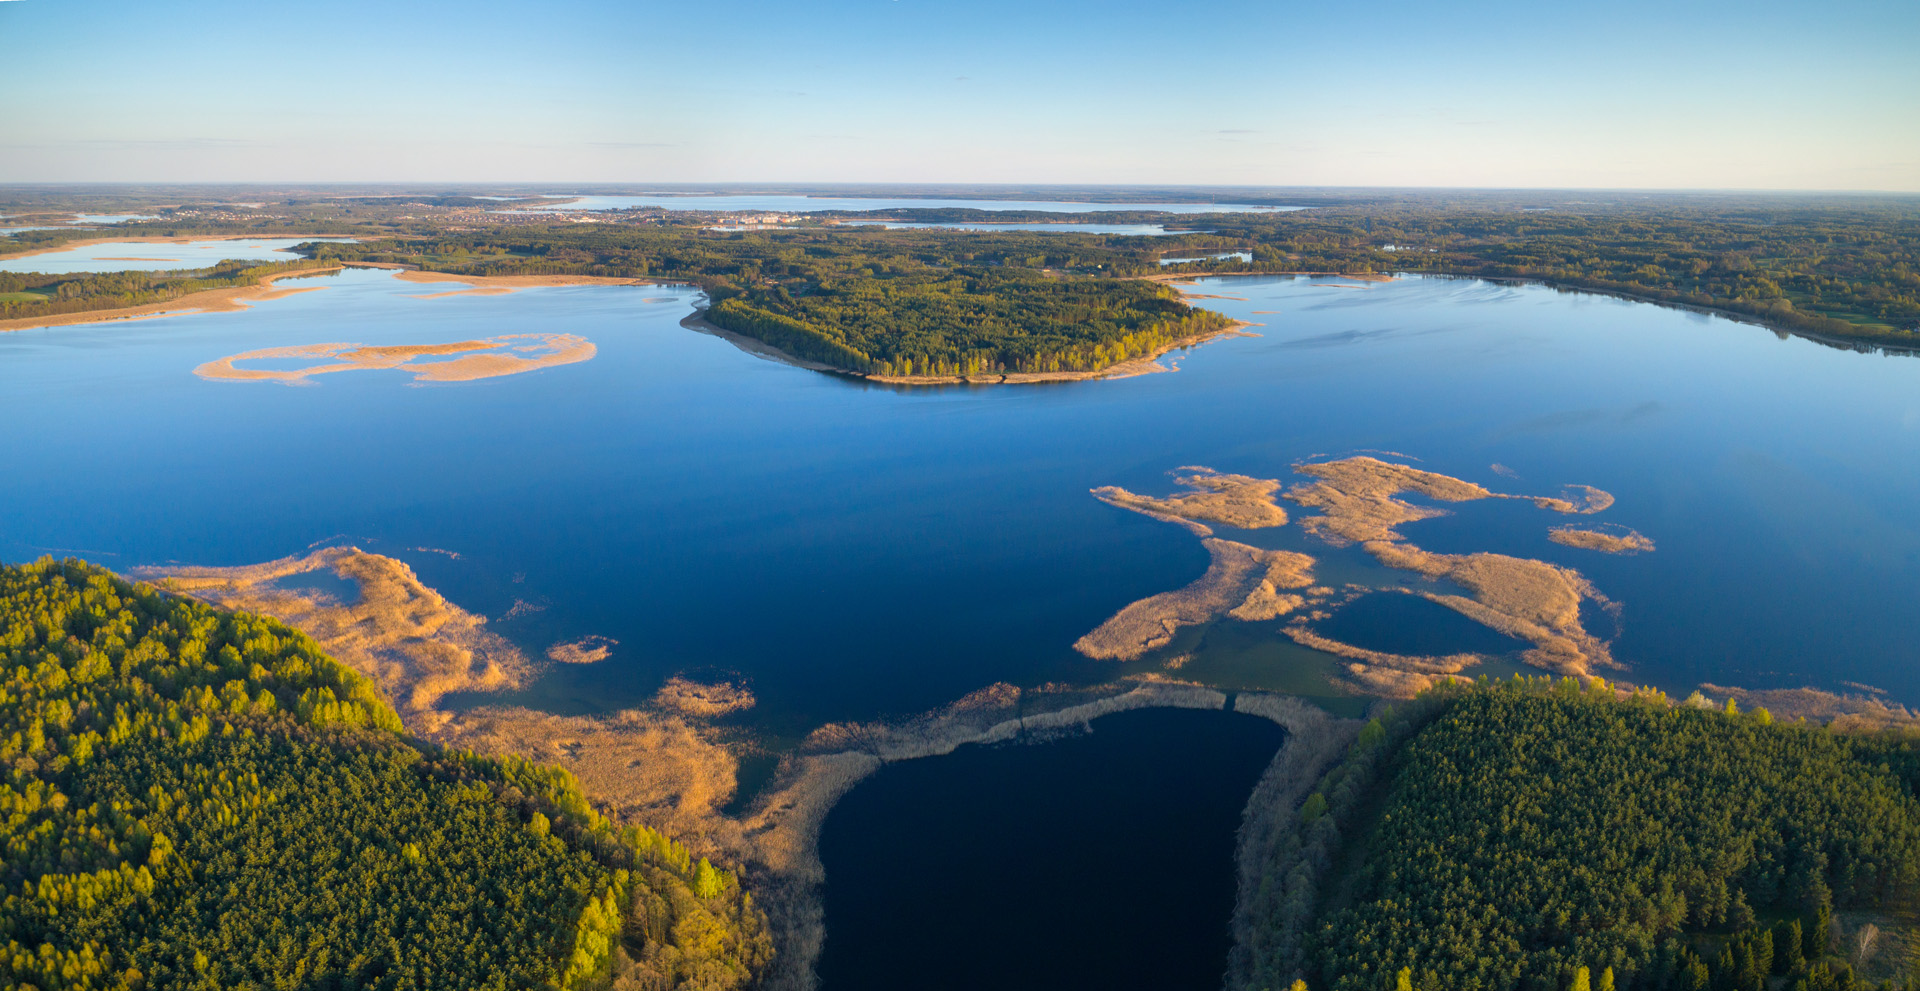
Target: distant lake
pixel 856 551
pixel 113 218
pixel 126 256
pixel 781 203
pixel 1245 256
pixel 1139 230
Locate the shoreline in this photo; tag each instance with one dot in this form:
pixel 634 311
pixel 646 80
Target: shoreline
pixel 1845 342
pixel 677 771
pixel 506 283
pixel 162 239
pixel 1146 364
pixel 779 848
pixel 231 299
pixel 236 298
pixel 697 322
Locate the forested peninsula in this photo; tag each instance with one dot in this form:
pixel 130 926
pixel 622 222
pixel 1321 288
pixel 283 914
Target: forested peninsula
pixel 200 798
pixel 941 304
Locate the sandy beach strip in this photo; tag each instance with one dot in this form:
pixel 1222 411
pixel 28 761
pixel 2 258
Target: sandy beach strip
pixel 161 239
pixel 224 300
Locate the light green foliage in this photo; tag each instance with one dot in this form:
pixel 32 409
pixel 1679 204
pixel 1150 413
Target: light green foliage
pixel 198 799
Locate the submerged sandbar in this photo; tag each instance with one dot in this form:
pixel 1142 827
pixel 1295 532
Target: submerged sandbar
pixel 465 361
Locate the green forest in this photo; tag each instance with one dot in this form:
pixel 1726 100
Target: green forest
pixel 860 299
pixel 41 295
pixel 202 799
pixel 946 302
pixel 1547 836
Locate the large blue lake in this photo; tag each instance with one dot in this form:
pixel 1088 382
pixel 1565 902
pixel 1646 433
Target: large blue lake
pixel 857 551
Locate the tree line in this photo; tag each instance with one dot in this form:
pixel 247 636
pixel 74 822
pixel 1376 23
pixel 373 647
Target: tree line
pixel 947 301
pixel 862 300
pixel 86 292
pixel 202 799
pixel 1545 835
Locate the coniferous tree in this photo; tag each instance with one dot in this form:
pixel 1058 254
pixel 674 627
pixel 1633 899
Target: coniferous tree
pixel 1788 947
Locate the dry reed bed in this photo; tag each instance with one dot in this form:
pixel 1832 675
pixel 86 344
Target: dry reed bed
pixel 1631 542
pixel 1361 500
pixel 1242 581
pixel 1315 742
pixel 1847 712
pixel 664 765
pixel 1235 500
pixel 413 643
pixel 586 650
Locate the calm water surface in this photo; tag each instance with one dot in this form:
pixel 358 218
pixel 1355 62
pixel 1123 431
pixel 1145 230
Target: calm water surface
pixel 1139 230
pixel 1098 862
pixel 786 203
pixel 124 256
pixel 857 551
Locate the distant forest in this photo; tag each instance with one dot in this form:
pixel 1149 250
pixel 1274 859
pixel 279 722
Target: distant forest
pixel 201 799
pixel 915 302
pixel 1535 835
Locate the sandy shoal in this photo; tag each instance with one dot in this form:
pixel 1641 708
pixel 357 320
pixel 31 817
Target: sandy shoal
pixel 479 359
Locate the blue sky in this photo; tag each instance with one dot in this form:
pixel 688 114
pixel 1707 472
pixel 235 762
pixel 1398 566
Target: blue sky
pixel 1665 95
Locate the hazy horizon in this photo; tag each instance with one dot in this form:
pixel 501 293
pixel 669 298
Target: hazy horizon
pixel 1499 95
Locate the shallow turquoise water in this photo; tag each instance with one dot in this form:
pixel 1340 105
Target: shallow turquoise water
pixel 858 551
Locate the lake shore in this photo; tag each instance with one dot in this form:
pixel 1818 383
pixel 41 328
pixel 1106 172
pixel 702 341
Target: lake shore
pixel 234 298
pixel 224 300
pixel 490 284
pixel 781 850
pixel 1144 365
pixel 1863 342
pixel 155 239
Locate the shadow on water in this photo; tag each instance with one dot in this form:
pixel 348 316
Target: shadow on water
pixel 1099 861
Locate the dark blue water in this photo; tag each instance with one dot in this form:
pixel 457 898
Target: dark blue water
pixel 1099 862
pixel 856 551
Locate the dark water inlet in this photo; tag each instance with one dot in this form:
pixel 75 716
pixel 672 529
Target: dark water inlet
pixel 1100 861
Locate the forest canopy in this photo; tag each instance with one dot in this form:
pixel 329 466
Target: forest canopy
pixel 933 301
pixel 198 798
pixel 1535 835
